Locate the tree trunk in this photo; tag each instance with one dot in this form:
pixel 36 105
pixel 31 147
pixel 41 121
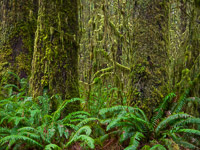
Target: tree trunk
pixel 148 77
pixel 17 30
pixel 55 58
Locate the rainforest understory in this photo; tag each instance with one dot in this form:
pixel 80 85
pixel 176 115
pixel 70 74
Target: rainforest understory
pixel 103 75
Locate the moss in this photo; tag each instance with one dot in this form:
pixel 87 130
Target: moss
pixel 16 38
pixel 148 74
pixel 55 59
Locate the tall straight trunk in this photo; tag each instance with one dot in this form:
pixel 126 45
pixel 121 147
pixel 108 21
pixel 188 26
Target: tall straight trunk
pixel 148 78
pixel 17 28
pixel 55 58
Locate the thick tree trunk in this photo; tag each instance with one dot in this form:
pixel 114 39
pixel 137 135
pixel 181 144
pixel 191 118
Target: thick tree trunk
pixel 17 28
pixel 148 77
pixel 55 59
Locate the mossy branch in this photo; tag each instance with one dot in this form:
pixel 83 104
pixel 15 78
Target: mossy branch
pixel 104 70
pixel 119 66
pixel 114 29
pixel 96 79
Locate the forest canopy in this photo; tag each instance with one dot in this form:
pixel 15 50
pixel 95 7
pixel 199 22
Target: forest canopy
pixel 104 75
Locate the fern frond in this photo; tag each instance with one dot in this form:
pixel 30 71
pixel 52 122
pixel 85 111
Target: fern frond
pixel 161 108
pixel 193 99
pixel 126 133
pixel 85 129
pixel 188 121
pixel 56 114
pixel 14 75
pixel 30 135
pixel 85 121
pixel 71 126
pixel 74 115
pixel 111 109
pixel 139 120
pixel 158 147
pixel 19 138
pixel 189 131
pixel 11 86
pixel 52 147
pixel 181 142
pixel 135 141
pixel 114 122
pixel 182 101
pixel 88 140
pixel 169 120
pixel 5 130
pixel 124 109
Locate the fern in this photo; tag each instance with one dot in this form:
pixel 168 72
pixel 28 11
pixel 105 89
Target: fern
pixel 56 114
pixel 52 147
pixel 126 133
pixel 189 131
pixel 77 114
pixel 182 142
pixel 158 147
pixel 160 110
pixel 169 120
pixel 188 121
pixel 85 121
pixel 182 101
pixel 14 75
pixel 16 138
pixel 76 135
pixel 193 99
pixel 135 141
pixel 115 121
pixel 86 139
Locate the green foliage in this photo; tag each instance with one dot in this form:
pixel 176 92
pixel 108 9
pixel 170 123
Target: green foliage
pixel 135 141
pixel 31 123
pixel 158 147
pixel 161 108
pixel 52 147
pixel 133 124
pixel 23 121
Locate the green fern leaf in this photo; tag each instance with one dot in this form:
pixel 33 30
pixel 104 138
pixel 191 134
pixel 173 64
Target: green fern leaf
pixel 183 143
pixel 85 129
pixel 189 131
pixel 135 141
pixel 52 147
pixel 182 101
pixel 19 138
pixel 88 140
pixel 188 121
pixel 158 147
pixel 161 108
pixel 169 120
pixel 85 121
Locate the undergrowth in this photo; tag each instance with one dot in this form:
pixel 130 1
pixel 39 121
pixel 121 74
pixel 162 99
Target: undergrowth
pixel 27 123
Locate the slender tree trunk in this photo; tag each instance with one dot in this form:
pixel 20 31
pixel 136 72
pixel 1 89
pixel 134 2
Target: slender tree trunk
pixel 17 28
pixel 148 77
pixel 55 59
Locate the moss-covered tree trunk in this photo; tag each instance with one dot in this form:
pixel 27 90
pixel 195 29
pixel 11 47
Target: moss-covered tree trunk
pixel 55 59
pixel 17 28
pixel 148 78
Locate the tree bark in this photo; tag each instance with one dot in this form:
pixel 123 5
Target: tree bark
pixel 148 77
pixel 55 59
pixel 17 30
